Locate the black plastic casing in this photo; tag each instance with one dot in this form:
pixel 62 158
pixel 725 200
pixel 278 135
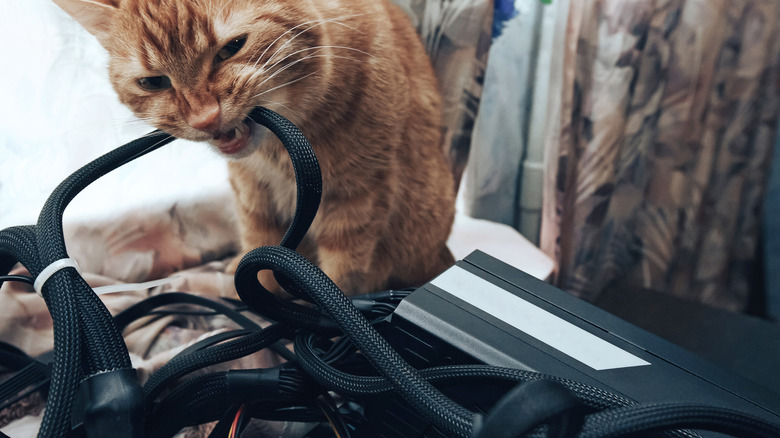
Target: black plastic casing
pixel 435 326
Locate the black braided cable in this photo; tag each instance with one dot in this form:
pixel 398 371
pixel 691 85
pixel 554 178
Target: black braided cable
pixel 132 313
pixel 302 283
pixel 308 177
pixel 186 363
pixel 83 326
pixel 19 244
pixel 105 343
pixel 634 420
pixel 532 406
pixel 86 341
pixel 196 401
pixel 360 386
pixel 81 311
pixel 308 180
pixel 423 397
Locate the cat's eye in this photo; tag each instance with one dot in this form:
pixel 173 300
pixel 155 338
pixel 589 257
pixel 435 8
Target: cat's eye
pixel 230 49
pixel 155 83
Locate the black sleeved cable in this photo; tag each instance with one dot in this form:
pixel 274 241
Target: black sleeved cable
pixel 529 405
pixel 206 398
pixel 83 327
pixel 104 348
pixel 196 401
pixel 304 280
pixel 308 179
pixel 233 349
pixel 306 277
pixel 125 317
pixel 360 386
pixel 18 244
pixel 138 310
pixel 104 341
pixel 86 342
pixel 641 419
pixel 616 415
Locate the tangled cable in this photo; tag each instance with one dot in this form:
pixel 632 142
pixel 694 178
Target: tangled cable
pixel 94 386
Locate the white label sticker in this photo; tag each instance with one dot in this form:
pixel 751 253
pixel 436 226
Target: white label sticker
pixel 535 321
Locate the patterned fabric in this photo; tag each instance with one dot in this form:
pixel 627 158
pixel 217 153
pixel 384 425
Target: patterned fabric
pixel 457 35
pixel 192 241
pixel 657 172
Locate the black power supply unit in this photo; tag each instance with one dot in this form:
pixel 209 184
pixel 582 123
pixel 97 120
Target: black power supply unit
pixel 483 311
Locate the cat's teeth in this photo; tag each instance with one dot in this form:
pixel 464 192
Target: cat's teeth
pixel 239 133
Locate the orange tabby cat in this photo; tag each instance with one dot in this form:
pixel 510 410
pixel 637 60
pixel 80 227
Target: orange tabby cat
pixel 352 74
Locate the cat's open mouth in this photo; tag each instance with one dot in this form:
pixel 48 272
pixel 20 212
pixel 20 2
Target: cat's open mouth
pixel 233 141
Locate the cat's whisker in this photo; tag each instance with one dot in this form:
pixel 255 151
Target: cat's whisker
pixel 285 67
pixel 109 126
pixel 316 23
pixel 265 64
pixel 317 48
pixel 286 57
pixel 284 85
pixel 282 69
pixel 272 102
pixel 278 38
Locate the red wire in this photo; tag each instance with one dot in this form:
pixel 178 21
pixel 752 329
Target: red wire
pixel 233 433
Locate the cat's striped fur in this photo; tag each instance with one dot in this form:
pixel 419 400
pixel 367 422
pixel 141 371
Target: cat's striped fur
pixel 351 74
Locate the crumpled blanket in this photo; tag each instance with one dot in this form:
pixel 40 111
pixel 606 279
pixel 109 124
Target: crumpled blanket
pixel 189 244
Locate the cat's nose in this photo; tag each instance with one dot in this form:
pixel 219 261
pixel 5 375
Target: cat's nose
pixel 206 118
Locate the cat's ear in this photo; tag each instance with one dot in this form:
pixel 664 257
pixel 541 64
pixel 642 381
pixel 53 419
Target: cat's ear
pixel 94 15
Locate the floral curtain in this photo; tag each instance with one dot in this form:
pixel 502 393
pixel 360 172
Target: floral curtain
pixel 657 166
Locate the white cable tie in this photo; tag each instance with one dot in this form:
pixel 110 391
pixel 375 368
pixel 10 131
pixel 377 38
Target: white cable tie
pixel 128 287
pixel 50 270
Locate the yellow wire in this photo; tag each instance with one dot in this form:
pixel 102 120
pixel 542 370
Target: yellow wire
pixel 233 432
pixel 332 426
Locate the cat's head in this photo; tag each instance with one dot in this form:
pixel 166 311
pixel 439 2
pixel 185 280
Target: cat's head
pixel 196 68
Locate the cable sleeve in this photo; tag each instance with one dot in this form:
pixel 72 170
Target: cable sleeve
pixel 308 181
pixel 670 416
pixel 359 386
pixel 86 341
pixel 413 388
pixel 234 349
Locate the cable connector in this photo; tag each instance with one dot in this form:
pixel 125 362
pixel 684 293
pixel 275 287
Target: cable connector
pixel 112 404
pixel 285 382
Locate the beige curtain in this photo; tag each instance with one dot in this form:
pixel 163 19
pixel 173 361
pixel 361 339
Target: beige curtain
pixel 658 163
pixel 456 35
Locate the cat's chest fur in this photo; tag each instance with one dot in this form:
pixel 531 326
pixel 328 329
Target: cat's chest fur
pixel 268 168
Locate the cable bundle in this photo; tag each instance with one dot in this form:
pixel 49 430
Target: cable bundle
pixel 340 359
pixel 87 344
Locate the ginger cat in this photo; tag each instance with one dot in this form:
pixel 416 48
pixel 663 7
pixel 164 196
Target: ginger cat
pixel 351 74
